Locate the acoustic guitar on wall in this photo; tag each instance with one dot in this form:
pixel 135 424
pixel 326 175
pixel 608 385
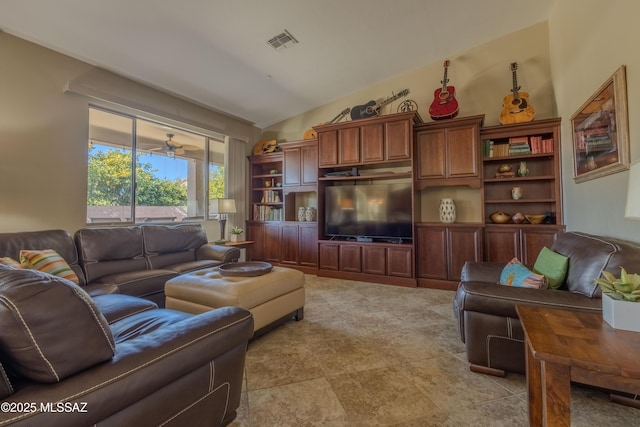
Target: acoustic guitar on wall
pixel 516 106
pixel 372 108
pixel 444 105
pixel 311 133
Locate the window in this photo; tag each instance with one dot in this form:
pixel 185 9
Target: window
pixel 144 171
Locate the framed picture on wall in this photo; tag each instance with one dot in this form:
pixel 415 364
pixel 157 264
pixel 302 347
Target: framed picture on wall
pixel 601 131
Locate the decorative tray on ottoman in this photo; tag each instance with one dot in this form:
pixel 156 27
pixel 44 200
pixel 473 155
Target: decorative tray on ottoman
pixel 245 269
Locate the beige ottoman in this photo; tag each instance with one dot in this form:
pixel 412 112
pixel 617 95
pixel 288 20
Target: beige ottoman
pixel 271 297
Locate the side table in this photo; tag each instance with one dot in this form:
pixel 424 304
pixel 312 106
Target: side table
pixel 241 245
pixel 564 346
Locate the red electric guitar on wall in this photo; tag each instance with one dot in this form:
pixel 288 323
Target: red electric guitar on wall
pixel 444 105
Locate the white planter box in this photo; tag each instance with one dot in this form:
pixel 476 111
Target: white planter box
pixel 621 314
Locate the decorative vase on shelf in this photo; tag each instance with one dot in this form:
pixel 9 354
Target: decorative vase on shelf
pixel 523 170
pixel 310 214
pixel 301 213
pixel 447 211
pixel 234 237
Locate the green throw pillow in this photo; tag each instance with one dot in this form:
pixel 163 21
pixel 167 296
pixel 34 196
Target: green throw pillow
pixel 553 266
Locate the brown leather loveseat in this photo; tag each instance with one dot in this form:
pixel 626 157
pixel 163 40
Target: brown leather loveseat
pixel 486 314
pixel 68 359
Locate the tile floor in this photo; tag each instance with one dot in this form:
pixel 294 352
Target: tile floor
pixel 377 355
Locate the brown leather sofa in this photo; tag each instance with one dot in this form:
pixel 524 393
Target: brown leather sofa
pixel 486 314
pixel 136 260
pixel 68 359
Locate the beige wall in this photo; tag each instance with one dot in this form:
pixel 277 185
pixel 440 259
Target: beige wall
pixel 43 134
pixel 481 76
pixel 589 41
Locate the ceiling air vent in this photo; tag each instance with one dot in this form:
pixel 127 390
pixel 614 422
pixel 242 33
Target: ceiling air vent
pixel 284 39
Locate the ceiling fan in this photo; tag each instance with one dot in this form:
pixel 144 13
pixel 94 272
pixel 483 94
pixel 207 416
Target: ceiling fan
pixel 172 147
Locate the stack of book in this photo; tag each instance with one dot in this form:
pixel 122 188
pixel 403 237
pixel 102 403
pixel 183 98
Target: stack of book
pixel 266 213
pixel 270 196
pixel 541 145
pixel 519 146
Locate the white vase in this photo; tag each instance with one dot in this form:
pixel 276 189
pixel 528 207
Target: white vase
pixel 621 314
pixel 234 237
pixel 447 211
pixel 301 213
pixel 310 214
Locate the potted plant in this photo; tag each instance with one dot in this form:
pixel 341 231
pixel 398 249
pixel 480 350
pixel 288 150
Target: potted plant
pixel 235 234
pixel 619 300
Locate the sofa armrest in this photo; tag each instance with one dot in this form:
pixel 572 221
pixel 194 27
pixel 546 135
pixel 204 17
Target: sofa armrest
pixel 144 365
pixel 501 300
pixel 478 271
pixel 218 252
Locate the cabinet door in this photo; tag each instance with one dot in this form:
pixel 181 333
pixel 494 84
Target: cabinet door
pixel 309 164
pixel 328 148
pixel 255 232
pixel 374 260
pixel 462 152
pixel 502 244
pixel 292 166
pixel 349 146
pixel 350 258
pixel 372 141
pixel 398 140
pixel 272 242
pixel 399 261
pixel 432 252
pixel 464 244
pixel 308 245
pixel 431 154
pixel 328 256
pixel 289 244
pixel 533 240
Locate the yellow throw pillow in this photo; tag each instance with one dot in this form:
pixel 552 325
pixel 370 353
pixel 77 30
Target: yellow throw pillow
pixel 10 262
pixel 48 261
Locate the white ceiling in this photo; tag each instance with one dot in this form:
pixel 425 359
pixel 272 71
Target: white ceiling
pixel 214 52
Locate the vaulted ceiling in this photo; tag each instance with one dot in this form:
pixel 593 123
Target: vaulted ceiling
pixel 215 52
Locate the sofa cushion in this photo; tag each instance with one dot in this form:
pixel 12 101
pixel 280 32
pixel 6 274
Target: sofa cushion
pixel 588 257
pixel 59 240
pixel 171 245
pixel 553 266
pixel 51 328
pixel 516 274
pixel 110 250
pixel 115 307
pixel 48 261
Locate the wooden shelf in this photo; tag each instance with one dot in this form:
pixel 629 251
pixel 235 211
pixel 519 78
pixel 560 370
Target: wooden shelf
pixel 381 175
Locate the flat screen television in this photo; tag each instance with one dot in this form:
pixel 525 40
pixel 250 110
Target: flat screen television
pixel 380 211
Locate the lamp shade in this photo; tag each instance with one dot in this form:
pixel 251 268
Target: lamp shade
pixel 222 206
pixel 633 193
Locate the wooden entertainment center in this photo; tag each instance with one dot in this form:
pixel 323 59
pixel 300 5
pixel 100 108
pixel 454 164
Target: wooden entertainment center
pixel 447 158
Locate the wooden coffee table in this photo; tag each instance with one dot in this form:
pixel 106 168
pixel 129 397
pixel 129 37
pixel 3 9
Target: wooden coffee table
pixel 564 346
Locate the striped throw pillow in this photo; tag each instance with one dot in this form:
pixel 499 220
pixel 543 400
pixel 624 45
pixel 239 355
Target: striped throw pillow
pixel 48 261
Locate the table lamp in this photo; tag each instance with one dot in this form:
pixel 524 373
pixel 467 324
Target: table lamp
pixel 633 193
pixel 222 207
